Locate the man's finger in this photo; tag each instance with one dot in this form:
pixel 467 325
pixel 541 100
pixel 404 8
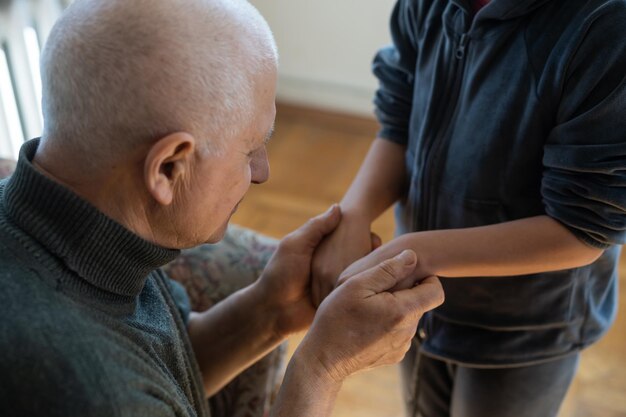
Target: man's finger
pixel 313 231
pixel 318 292
pixel 423 297
pixel 361 265
pixel 377 242
pixel 387 273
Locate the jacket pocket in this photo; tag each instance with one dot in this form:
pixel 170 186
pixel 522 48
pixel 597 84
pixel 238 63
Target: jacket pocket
pixel 511 302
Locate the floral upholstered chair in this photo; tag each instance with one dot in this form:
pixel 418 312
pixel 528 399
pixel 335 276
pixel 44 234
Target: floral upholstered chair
pixel 211 273
pixel 7 166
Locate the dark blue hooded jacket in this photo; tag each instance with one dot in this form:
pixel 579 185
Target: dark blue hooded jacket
pixel 515 112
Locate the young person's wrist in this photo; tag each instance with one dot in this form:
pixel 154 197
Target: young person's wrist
pixel 355 215
pixel 427 262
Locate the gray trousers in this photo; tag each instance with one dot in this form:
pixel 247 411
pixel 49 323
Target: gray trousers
pixel 435 388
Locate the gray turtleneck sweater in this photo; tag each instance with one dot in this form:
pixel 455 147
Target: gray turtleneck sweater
pixel 88 327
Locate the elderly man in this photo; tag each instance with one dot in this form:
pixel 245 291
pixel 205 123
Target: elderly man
pixel 157 113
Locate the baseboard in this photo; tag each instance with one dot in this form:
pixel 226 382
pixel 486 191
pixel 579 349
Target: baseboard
pixel 348 99
pixel 327 117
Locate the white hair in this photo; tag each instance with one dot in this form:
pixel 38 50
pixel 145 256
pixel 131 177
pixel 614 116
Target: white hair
pixel 117 74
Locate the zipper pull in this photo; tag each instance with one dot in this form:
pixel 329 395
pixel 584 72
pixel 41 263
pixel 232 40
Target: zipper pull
pixel 460 50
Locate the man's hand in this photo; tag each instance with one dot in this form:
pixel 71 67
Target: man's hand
pixel 360 325
pixel 246 325
pixel 350 241
pixel 384 252
pixel 285 282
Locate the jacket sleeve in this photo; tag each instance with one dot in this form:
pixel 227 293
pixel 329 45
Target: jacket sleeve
pixel 584 181
pixel 394 66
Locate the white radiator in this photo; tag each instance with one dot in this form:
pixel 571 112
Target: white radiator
pixel 24 27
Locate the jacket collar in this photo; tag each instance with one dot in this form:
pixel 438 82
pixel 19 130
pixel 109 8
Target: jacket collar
pixel 508 9
pixel 458 16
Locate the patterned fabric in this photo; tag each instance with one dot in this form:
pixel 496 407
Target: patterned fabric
pixel 7 167
pixel 210 273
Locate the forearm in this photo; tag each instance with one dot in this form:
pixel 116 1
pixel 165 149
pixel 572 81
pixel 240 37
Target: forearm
pixel 379 182
pixel 305 392
pixel 232 336
pixel 520 247
pixel 531 245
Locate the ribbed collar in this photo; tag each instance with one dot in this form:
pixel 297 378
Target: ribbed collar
pixel 100 250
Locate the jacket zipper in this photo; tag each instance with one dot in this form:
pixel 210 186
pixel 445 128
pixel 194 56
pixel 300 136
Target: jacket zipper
pixel 425 218
pixel 460 49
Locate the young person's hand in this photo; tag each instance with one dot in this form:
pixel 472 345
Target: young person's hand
pixel 286 280
pixel 350 241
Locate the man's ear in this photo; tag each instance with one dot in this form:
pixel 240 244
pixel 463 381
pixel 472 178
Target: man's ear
pixel 167 162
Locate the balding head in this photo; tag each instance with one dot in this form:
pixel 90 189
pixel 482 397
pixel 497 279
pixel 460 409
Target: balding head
pixel 118 74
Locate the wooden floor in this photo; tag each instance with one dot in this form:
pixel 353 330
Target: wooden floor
pixel 313 158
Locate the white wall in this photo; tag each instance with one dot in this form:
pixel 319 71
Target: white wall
pixel 326 48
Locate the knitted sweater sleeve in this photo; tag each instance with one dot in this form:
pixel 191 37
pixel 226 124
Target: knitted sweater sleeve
pixel 180 297
pixel 45 378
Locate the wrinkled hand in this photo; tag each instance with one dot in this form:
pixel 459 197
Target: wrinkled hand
pixel 362 325
pixel 285 281
pixel 386 251
pixel 350 241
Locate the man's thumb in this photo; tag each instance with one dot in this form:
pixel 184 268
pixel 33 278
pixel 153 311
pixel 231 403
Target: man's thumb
pixel 388 273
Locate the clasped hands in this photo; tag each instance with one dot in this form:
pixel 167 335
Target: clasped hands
pixel 367 321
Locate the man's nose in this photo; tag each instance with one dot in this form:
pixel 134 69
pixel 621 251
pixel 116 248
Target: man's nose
pixel 260 167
